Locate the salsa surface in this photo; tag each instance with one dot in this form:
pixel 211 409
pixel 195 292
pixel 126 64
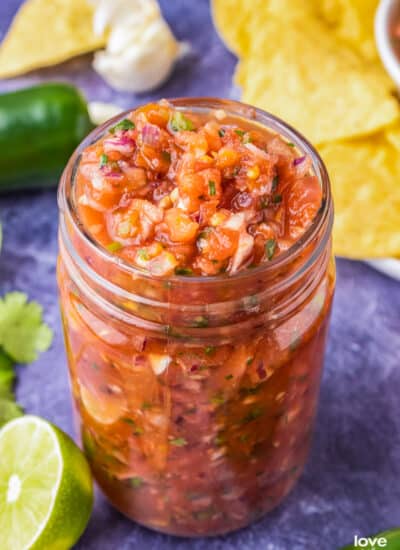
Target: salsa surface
pixel 176 192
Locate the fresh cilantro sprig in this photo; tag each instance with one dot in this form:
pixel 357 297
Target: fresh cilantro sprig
pixel 23 334
pixel 8 407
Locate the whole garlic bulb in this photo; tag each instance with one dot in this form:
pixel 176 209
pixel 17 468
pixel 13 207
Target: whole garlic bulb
pixel 141 49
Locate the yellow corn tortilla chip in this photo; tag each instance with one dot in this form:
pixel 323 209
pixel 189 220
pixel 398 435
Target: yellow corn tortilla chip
pixel 47 32
pixel 365 176
pixel 230 19
pixel 353 22
pixel 238 20
pixel 393 136
pixel 315 83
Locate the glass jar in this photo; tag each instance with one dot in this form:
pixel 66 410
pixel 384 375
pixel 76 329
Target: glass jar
pixel 196 396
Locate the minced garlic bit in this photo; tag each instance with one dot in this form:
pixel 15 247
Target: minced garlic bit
pixel 141 49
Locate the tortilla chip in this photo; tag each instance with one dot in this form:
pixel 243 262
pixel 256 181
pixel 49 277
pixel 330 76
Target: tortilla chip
pixel 393 136
pixel 47 32
pixel 353 22
pixel 315 83
pixel 237 21
pixel 230 19
pixel 364 175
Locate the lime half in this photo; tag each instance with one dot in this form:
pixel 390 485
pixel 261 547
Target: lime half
pixel 46 492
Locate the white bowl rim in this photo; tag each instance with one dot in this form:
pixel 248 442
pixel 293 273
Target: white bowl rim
pixel 383 42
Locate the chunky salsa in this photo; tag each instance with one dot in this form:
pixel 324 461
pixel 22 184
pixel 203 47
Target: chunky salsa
pixel 195 374
pixel 175 192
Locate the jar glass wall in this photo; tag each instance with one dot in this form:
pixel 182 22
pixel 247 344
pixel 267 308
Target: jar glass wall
pixel 196 396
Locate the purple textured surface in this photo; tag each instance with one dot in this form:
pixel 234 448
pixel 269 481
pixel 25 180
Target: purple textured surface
pixel 351 484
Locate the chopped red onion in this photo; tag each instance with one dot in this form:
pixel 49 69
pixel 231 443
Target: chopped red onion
pixel 139 343
pixel 122 144
pixel 243 200
pixel 257 151
pixel 151 135
pixel 261 370
pixel 299 160
pixel 112 174
pixel 140 360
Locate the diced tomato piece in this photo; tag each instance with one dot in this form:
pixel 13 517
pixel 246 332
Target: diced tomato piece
pixel 303 203
pixel 219 243
pixel 180 225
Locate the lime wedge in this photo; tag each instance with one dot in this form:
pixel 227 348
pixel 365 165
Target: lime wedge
pixel 46 492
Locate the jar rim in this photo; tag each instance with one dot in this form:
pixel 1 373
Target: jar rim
pixel 323 218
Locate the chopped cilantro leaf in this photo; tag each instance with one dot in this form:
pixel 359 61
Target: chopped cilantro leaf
pixel 253 414
pixel 103 160
pixel 209 350
pixel 129 421
pixel 270 247
pixel 180 123
pixel 277 199
pixel 211 188
pixel 291 144
pixel 179 442
pixel 183 271
pixel 239 133
pixel 143 254
pixel 23 334
pixel 123 125
pixel 136 482
pixel 275 182
pixel 217 400
pixel 200 322
pixel 171 331
pixel 221 132
pixel 229 377
pixel 203 234
pixel 114 247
